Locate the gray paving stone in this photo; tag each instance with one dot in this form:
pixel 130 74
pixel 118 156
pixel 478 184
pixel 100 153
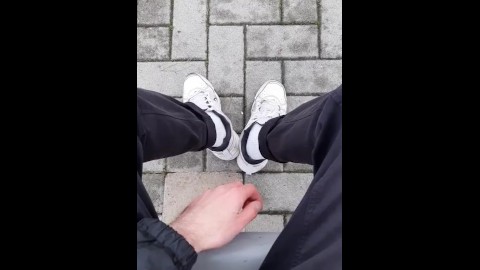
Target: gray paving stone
pixel 186 162
pixel 314 76
pixel 294 101
pixel 154 184
pixel 266 223
pixel 284 41
pixel 297 167
pixel 244 11
pixel 167 77
pixel 257 73
pixel 233 108
pixel 189 40
pixel 331 29
pixel 153 12
pixel 152 43
pixel 300 11
pixel 154 166
pixel 225 65
pixel 182 188
pixel 280 191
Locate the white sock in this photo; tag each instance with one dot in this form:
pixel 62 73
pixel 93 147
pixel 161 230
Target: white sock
pixel 253 150
pixel 219 128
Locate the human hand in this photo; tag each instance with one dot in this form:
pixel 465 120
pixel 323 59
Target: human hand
pixel 214 218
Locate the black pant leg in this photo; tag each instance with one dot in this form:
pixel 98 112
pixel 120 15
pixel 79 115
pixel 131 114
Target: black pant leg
pixel 304 134
pixel 166 127
pixel 313 237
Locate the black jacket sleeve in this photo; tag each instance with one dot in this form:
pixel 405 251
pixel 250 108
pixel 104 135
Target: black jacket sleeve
pixel 160 247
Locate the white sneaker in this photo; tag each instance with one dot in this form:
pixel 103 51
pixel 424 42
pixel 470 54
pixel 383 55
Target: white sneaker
pixel 270 102
pixel 198 90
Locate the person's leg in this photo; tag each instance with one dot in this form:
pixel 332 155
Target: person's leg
pixel 271 134
pixel 311 134
pixel 167 127
pixel 305 134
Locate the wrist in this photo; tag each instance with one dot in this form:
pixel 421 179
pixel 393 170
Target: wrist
pixel 187 234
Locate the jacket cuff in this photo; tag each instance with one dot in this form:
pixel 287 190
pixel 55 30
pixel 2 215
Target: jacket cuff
pixel 184 254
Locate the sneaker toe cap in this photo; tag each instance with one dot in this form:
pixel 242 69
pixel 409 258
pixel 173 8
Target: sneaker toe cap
pixel 273 88
pixel 194 81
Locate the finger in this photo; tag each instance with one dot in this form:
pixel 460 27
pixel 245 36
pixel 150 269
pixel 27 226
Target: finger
pixel 248 213
pixel 250 193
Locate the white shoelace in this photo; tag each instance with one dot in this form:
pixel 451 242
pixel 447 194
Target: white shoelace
pixel 267 108
pixel 201 95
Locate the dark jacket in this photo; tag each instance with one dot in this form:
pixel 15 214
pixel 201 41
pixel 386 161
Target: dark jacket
pixel 158 245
